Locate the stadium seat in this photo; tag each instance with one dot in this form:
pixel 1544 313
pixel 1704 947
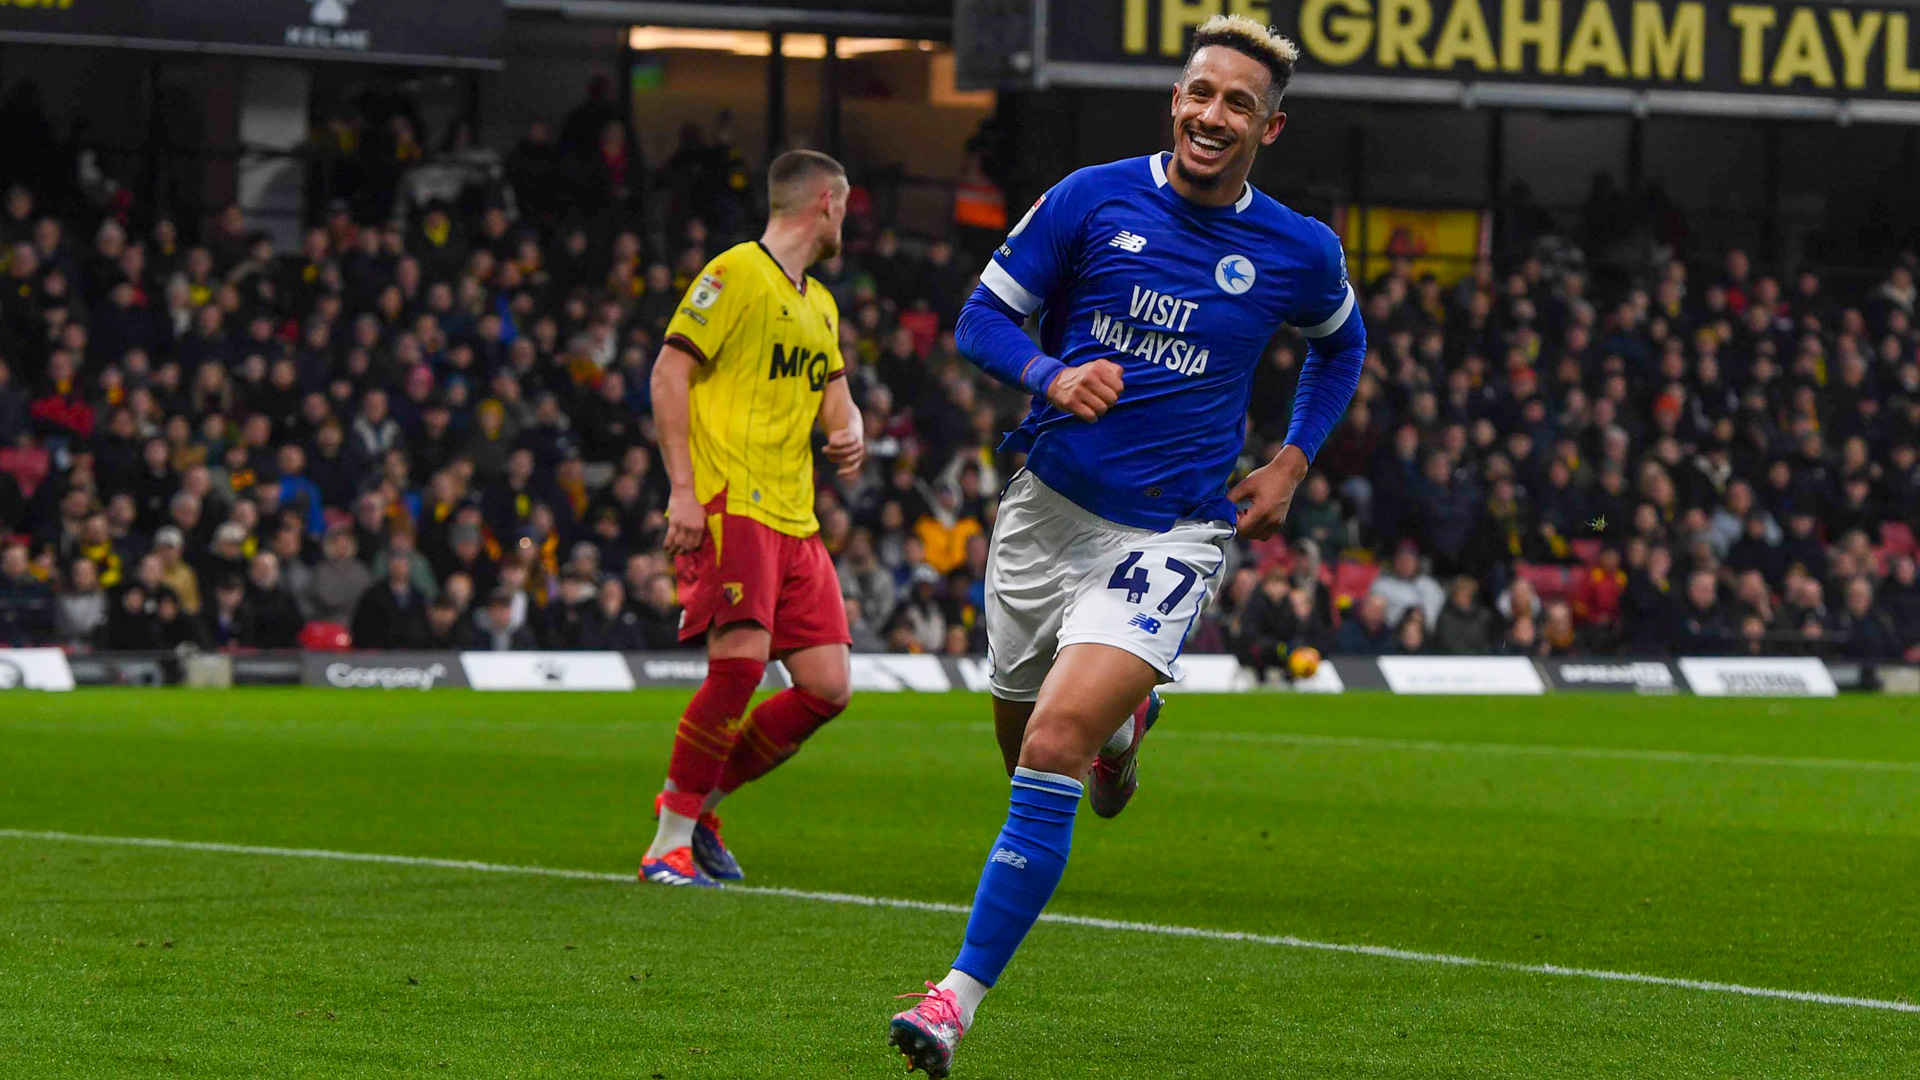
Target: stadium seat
pixel 28 464
pixel 1352 580
pixel 1898 538
pixel 325 637
pixel 926 330
pixel 1551 582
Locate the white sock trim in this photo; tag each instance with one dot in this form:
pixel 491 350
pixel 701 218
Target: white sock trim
pixel 1047 781
pixel 968 991
pixel 1118 742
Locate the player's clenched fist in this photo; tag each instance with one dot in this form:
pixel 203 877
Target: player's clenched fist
pixel 1087 391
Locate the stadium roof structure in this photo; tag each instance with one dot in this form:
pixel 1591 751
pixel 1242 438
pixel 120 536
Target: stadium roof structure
pixel 418 33
pixel 932 19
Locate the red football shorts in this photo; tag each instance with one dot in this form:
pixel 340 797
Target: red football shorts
pixel 751 572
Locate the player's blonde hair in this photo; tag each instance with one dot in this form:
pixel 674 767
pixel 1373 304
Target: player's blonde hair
pixel 1263 43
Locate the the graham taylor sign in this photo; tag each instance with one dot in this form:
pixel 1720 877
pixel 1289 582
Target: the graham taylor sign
pixel 1853 50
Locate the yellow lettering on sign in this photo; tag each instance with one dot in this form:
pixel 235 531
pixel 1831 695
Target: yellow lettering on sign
pixel 1177 16
pixel 1517 32
pixel 1464 37
pixel 1899 76
pixel 1402 24
pixel 1856 43
pixel 1677 51
pixel 1803 52
pixel 1596 43
pixel 1335 38
pixel 1754 21
pixel 1133 27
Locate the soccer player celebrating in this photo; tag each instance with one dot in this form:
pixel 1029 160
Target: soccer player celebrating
pixel 751 359
pixel 1159 281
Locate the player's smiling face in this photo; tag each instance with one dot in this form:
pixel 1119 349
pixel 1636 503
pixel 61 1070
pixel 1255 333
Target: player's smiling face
pixel 1220 118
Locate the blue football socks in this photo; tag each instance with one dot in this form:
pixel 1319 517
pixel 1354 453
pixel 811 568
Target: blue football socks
pixel 1025 866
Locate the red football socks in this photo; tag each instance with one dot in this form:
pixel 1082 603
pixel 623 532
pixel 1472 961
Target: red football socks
pixel 773 734
pixel 709 731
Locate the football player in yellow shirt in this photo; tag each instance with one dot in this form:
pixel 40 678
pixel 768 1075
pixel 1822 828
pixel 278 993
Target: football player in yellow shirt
pixel 751 361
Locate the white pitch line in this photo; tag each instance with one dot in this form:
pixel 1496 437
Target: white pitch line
pixel 1679 757
pixel 1281 941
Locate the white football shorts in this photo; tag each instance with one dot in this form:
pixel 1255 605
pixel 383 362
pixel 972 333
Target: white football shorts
pixel 1058 575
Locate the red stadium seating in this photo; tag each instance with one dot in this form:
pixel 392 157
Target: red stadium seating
pixel 325 637
pixel 1352 580
pixel 1551 582
pixel 29 466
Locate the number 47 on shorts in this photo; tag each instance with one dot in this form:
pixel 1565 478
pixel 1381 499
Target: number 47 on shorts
pixel 1132 577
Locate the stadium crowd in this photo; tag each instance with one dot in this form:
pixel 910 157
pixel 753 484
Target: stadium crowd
pixel 428 427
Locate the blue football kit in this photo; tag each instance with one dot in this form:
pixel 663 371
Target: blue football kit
pixel 1119 266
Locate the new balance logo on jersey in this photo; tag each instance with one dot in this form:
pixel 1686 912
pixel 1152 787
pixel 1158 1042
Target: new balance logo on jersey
pixel 1128 242
pixel 1010 857
pixel 1145 622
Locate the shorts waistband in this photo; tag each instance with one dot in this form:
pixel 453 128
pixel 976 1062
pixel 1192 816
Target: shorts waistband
pixel 1074 510
pixel 1068 508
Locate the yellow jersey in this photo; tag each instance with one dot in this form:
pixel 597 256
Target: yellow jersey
pixel 767 350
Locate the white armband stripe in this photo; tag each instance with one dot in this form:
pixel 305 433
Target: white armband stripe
pixel 1335 322
pixel 1011 293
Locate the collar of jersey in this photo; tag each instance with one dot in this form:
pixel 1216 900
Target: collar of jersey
pixel 1158 163
pixel 801 288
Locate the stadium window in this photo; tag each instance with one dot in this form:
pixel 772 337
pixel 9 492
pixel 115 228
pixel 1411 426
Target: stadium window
pixel 756 43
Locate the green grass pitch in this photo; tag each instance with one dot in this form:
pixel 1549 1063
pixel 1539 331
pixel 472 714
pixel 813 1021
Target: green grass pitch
pixel 1760 844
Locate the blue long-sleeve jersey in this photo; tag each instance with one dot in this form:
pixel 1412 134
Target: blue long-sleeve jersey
pixel 1184 297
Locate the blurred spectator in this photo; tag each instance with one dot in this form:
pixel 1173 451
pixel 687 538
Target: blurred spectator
pixel 1597 596
pixel 339 581
pixel 1403 585
pixel 276 615
pixel 868 590
pixel 659 615
pixel 175 574
pixel 1268 625
pixel 1410 636
pixel 390 614
pixel 26 602
pixel 610 624
pixel 1366 632
pixel 1703 630
pixel 1465 627
pixel 1559 636
pixel 1863 629
pixel 444 629
pixel 226 622
pixel 494 628
pixel 80 610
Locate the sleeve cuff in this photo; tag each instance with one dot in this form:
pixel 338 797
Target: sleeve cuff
pixel 685 344
pixel 1039 373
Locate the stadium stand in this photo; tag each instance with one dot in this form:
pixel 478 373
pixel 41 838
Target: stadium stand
pixel 429 428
